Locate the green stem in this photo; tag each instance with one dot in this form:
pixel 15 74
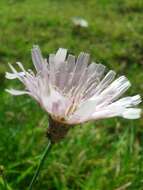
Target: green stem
pixel 47 150
pixel 4 180
pixel 2 174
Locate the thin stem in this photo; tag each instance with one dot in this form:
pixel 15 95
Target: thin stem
pixel 47 150
pixel 2 174
pixel 4 180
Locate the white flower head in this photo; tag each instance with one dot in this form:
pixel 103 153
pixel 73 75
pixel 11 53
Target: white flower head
pixel 73 91
pixel 78 21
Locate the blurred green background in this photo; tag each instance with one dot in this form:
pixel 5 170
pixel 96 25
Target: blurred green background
pixel 100 155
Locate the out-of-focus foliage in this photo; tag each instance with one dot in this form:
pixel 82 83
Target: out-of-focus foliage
pixel 96 156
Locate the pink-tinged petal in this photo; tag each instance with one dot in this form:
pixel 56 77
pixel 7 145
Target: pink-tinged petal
pixel 52 71
pixel 51 97
pixel 70 69
pixel 55 108
pixel 60 68
pixel 80 67
pixel 62 77
pixel 94 75
pixel 80 70
pixel 37 58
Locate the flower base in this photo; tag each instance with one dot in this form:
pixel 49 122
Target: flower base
pixel 57 131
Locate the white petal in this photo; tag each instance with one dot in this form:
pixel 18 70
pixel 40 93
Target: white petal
pixel 104 83
pixel 16 92
pixel 129 101
pixel 86 109
pixel 21 66
pixel 112 111
pixel 116 89
pixel 80 22
pixel 13 75
pixel 70 63
pixel 61 55
pixel 96 87
pixel 132 113
pixel 99 109
pixel 12 68
pixel 16 73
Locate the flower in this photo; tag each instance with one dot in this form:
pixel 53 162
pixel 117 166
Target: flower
pixel 78 21
pixel 73 91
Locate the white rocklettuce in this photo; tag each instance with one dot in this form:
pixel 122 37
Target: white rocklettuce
pixel 73 90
